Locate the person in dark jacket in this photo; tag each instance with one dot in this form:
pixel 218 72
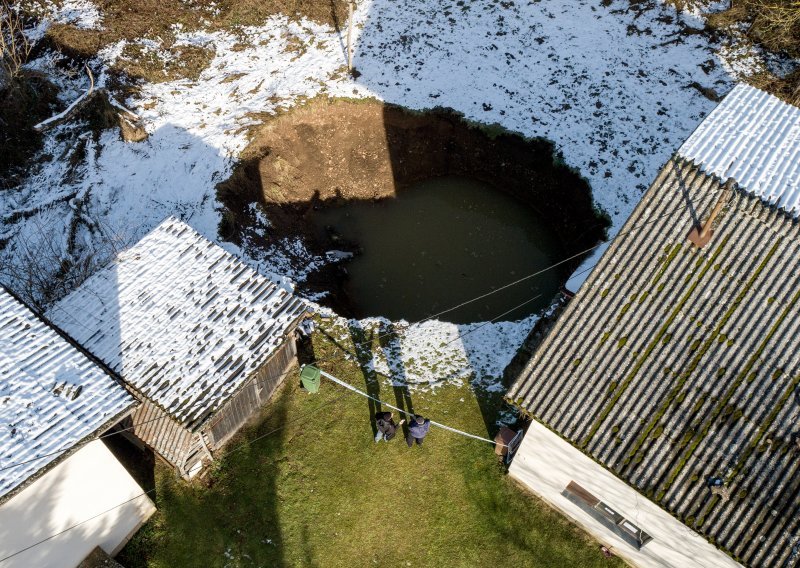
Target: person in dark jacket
pixel 387 429
pixel 417 430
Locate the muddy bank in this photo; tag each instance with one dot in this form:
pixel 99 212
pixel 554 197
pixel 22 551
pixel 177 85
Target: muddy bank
pixel 329 153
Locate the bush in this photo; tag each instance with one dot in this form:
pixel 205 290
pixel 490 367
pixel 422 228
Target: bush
pixel 26 100
pixel 14 44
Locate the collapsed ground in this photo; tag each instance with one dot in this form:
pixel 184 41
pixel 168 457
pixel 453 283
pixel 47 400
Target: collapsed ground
pixel 616 85
pixel 615 116
pixel 333 152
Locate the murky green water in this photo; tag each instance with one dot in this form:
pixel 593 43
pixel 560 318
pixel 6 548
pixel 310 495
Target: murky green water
pixel 443 242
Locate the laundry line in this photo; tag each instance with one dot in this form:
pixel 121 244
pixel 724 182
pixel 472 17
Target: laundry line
pixel 437 424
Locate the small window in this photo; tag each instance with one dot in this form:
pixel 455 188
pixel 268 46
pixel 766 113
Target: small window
pixel 604 513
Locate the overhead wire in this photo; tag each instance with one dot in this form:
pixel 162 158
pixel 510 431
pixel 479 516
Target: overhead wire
pixel 284 425
pixel 273 431
pixel 440 425
pixel 371 340
pixel 380 336
pixel 536 273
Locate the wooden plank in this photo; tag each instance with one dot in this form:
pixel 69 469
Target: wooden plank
pixel 579 491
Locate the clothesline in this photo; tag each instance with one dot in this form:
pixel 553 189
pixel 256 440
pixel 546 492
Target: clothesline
pixel 443 426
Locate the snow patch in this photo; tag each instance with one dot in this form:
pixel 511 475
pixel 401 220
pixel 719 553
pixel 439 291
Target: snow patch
pixel 424 356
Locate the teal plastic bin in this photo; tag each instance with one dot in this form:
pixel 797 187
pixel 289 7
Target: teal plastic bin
pixel 310 378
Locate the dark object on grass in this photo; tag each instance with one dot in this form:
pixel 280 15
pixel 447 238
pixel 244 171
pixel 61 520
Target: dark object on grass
pixel 417 430
pixel 387 429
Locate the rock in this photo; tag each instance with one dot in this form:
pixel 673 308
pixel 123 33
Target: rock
pixel 130 131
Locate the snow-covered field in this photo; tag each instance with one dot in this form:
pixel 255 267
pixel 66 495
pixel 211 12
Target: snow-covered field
pixel 614 88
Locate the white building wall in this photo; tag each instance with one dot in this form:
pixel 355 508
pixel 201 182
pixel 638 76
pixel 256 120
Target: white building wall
pixel 546 464
pixel 87 486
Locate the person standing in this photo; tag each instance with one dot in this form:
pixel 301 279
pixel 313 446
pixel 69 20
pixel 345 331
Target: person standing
pixel 387 429
pixel 417 430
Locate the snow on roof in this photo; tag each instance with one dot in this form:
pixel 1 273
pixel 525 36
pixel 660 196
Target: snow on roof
pixel 753 138
pixel 52 396
pixel 180 319
pixel 673 365
pixel 581 273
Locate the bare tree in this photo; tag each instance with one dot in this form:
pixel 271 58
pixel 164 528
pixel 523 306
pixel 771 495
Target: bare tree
pixel 45 266
pixel 15 47
pixel 778 23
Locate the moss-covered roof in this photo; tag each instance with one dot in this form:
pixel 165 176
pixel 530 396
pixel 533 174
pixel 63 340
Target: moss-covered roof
pixel 674 365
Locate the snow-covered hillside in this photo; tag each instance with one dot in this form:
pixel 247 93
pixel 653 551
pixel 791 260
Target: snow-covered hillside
pixel 616 89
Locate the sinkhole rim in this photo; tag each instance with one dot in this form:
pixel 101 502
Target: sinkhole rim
pixel 330 152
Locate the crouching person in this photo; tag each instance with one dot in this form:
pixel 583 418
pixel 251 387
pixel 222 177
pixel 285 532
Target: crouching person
pixel 387 429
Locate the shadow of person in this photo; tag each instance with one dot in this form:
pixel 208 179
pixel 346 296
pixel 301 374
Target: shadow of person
pixel 389 340
pixel 362 345
pixel 402 397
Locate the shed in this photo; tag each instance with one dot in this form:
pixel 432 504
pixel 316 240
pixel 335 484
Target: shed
pixel 198 336
pixel 54 472
pixel 668 391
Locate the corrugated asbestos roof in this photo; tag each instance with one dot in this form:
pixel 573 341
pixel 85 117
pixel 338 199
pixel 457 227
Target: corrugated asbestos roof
pixel 180 319
pixel 51 395
pixel 674 365
pixel 754 138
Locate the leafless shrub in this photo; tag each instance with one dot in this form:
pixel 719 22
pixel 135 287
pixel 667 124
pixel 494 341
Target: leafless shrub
pixel 46 267
pixel 777 22
pixel 15 47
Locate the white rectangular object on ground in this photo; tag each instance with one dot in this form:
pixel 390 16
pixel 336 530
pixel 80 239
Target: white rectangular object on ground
pixel 546 464
pixel 89 491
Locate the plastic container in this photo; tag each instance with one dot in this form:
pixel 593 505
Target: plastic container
pixel 310 378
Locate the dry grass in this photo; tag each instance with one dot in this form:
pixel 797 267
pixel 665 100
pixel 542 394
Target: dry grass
pixel 786 88
pixel 137 20
pixel 772 24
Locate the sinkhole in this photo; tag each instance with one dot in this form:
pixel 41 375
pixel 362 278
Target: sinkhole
pixel 431 210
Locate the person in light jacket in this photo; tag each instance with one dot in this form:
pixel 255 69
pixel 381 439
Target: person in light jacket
pixel 417 430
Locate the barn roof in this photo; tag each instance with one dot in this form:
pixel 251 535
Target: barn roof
pixel 180 319
pixel 675 365
pixel 52 396
pixel 753 138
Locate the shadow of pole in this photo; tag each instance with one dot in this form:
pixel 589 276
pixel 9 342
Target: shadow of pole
pixel 390 344
pixel 337 26
pixel 362 343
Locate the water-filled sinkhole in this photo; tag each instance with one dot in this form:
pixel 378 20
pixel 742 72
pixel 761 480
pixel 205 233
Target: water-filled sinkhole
pixel 437 210
pixel 439 243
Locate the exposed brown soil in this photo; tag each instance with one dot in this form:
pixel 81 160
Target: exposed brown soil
pixel 330 152
pixel 134 20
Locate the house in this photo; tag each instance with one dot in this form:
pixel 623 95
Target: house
pixel 62 492
pixel 666 398
pixel 199 337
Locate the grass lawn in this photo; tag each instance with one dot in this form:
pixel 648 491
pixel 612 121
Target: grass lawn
pixel 320 492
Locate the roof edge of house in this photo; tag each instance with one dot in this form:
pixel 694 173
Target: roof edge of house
pixel 69 339
pixel 96 435
pixel 194 429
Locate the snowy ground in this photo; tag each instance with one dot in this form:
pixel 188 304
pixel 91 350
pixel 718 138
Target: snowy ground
pixel 615 89
pixel 429 354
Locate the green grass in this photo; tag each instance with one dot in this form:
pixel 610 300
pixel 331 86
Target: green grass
pixel 320 492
